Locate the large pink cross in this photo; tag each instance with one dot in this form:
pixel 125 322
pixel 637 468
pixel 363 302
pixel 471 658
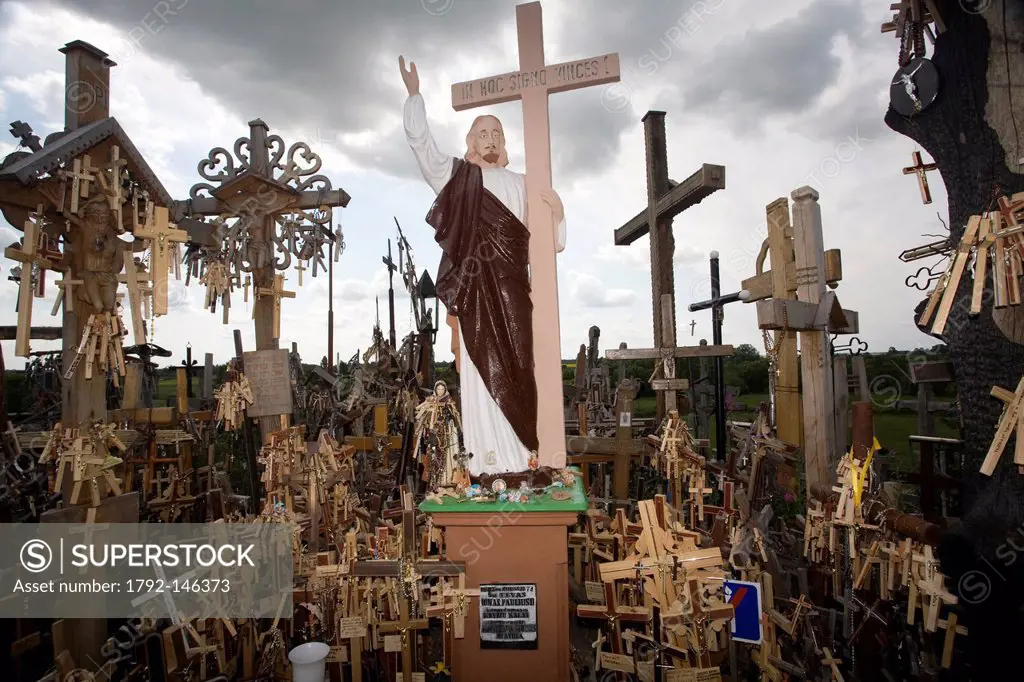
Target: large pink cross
pixel 532 84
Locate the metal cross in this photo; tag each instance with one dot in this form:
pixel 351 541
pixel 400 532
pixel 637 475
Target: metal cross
pixel 23 132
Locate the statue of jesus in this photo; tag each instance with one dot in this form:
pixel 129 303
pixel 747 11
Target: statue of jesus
pixel 484 282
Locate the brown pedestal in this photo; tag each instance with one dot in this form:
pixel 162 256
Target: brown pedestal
pixel 513 547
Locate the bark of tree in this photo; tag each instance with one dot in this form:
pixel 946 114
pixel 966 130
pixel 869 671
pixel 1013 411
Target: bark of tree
pixel 973 132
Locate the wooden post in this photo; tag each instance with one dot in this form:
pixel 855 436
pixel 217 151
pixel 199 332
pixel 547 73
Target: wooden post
pixel 819 416
pixel 863 429
pixel 841 396
pixel 788 409
pixel 624 435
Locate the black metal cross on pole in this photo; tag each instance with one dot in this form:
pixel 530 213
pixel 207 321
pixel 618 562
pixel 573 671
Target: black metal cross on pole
pixel 391 294
pixel 189 363
pixel 716 303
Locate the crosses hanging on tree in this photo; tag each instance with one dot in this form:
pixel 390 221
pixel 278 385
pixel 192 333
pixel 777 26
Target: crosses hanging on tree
pixel 910 23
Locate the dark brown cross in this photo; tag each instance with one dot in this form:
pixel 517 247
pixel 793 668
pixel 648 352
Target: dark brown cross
pixel 23 132
pixel 391 293
pixel 665 200
pixel 1009 207
pixel 921 168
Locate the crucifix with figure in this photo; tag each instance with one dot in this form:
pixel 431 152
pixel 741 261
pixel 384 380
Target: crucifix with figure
pixel 665 200
pixel 521 415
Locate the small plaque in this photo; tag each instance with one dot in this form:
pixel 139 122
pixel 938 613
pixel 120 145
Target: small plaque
pixel 617 662
pixel 351 628
pixel 645 671
pixel 392 644
pixel 270 377
pixel 337 654
pixel 508 616
pixel 626 419
pixel 595 592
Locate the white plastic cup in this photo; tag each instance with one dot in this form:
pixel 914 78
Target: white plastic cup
pixel 309 662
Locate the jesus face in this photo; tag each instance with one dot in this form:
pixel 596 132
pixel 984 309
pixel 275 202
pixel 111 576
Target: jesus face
pixel 486 143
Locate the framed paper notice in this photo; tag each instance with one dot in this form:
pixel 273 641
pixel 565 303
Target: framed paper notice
pixel 508 616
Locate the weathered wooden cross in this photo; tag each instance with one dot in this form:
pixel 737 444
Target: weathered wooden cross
pixel 65 294
pixel 814 315
pixel 533 83
pixel 780 283
pixel 665 200
pixel 623 447
pixel 277 292
pixel 921 169
pixel 161 236
pixel 669 385
pixel 28 255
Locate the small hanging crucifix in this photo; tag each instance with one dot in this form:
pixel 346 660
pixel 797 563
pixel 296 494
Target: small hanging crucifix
pixel 921 169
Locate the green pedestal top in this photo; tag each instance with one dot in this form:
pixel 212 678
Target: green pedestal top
pixel 538 502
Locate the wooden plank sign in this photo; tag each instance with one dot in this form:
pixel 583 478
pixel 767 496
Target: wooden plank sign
pixel 267 371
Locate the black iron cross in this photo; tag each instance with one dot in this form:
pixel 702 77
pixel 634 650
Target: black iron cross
pixel 188 363
pixel 391 293
pixel 854 347
pixel 716 303
pixel 23 132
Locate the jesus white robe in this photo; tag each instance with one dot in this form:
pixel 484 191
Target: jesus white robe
pixel 486 432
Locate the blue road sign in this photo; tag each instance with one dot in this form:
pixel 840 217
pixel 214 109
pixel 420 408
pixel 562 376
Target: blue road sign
pixel 745 598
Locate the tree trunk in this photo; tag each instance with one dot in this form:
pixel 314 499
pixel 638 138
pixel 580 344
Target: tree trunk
pixel 971 132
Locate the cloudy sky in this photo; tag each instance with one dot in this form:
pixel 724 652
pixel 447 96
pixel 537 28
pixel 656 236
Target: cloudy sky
pixel 783 94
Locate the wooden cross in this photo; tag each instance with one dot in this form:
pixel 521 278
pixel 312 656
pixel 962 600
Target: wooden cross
pixel 665 200
pixel 833 663
pixel 65 294
pixel 532 84
pixel 952 630
pixel 780 282
pixel 79 182
pixel 921 168
pixel 112 187
pixel 1009 422
pixel 667 355
pixel 407 569
pixel 161 236
pixel 813 316
pixel 134 276
pixel 623 447
pixel 402 626
pixel 614 615
pixel 28 256
pixel 278 292
pixel 451 605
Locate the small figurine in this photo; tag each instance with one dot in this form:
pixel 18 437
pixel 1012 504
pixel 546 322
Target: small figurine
pixel 439 437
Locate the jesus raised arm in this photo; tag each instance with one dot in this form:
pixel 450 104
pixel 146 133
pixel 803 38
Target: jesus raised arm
pixel 484 282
